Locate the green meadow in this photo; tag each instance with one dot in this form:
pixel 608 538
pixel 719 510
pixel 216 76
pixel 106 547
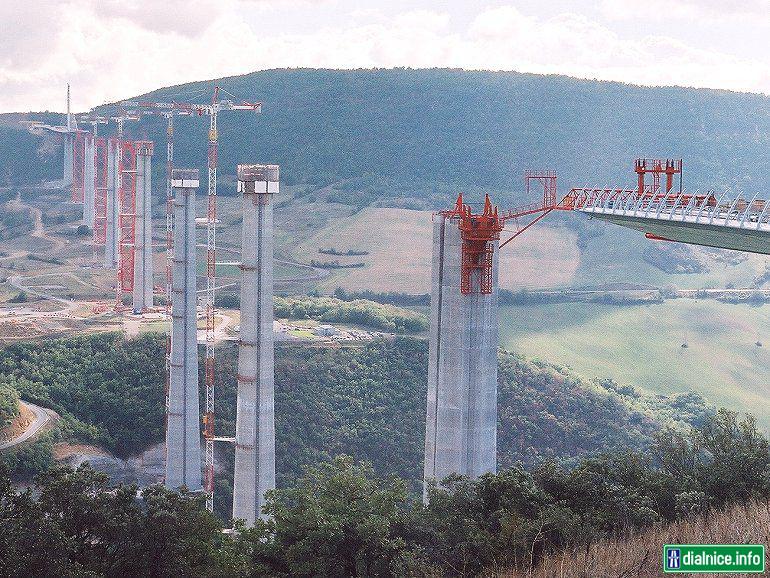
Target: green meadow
pixel 641 345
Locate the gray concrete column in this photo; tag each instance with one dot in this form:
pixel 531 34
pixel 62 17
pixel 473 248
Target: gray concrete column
pixel 112 238
pixel 69 140
pixel 255 421
pixel 89 186
pixel 183 433
pixel 143 271
pixel 461 424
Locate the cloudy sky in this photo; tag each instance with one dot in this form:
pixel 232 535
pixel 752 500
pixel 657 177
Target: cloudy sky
pixel 114 49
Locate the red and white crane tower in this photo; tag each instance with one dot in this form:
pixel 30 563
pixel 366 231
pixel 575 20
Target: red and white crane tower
pixel 211 110
pixel 126 201
pixel 168 112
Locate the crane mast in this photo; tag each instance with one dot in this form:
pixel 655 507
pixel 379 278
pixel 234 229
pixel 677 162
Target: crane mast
pixel 169 110
pixel 211 267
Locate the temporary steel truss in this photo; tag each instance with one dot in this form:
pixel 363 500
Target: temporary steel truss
pixel 127 218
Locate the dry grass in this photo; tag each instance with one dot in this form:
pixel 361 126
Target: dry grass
pixel 640 555
pixel 19 425
pixel 399 243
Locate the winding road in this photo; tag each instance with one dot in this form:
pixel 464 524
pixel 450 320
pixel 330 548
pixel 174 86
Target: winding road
pixel 42 417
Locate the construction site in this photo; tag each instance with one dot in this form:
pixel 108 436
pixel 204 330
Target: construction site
pixel 110 177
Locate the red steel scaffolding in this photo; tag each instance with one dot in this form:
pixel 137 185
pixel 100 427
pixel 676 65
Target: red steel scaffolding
pixel 127 219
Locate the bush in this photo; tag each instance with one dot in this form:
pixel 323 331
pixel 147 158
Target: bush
pixel 9 404
pixel 20 297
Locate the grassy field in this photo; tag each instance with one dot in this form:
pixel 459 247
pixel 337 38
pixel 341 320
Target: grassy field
pixel 638 554
pixel 642 346
pixel 399 245
pixel 548 255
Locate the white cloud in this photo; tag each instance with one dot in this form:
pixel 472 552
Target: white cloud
pixel 110 50
pixel 686 9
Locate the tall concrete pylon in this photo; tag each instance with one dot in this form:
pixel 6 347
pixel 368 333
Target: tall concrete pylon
pixel 89 184
pixel 461 425
pixel 183 433
pixel 255 418
pixel 143 271
pixel 69 141
pixel 112 238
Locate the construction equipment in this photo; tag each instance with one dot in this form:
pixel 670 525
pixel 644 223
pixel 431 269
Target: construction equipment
pixel 657 167
pixel 211 110
pixel 663 213
pixel 127 220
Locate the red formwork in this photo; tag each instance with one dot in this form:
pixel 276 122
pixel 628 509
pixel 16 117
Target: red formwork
pixel 477 231
pixel 657 168
pixel 126 217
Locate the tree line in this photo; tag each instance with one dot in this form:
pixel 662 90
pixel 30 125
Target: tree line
pixel 339 518
pixel 358 312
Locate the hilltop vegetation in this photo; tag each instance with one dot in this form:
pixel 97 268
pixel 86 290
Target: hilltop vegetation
pixel 409 133
pixel 358 312
pixel 418 136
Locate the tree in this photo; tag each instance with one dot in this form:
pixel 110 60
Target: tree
pixel 80 526
pixel 30 543
pixel 737 460
pixel 338 520
pixel 20 297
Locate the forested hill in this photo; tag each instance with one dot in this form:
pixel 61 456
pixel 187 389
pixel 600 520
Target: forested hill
pixel 411 133
pixel 368 402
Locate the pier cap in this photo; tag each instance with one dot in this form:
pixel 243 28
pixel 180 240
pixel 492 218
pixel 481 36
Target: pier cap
pixel 185 178
pixel 248 175
pixel 145 147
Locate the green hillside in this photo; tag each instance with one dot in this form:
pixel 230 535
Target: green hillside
pixel 365 401
pixel 423 133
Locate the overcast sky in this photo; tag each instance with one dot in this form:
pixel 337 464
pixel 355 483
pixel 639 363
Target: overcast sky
pixel 114 49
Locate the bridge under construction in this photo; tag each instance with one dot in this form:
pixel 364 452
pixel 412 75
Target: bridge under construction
pixel 461 424
pixel 111 178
